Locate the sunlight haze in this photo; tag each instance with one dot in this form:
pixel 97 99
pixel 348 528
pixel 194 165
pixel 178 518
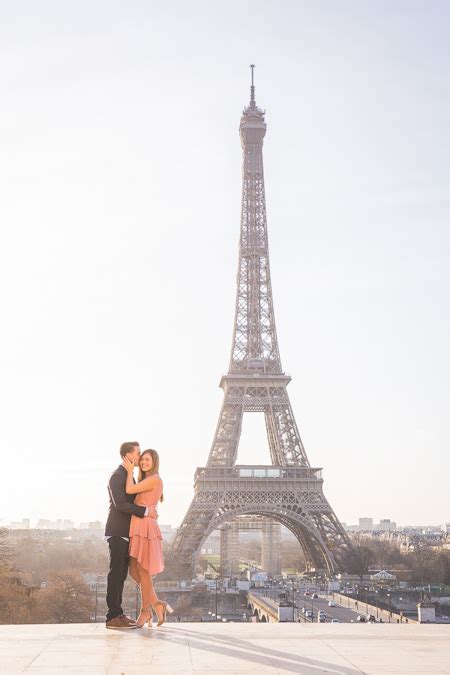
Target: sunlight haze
pixel 120 213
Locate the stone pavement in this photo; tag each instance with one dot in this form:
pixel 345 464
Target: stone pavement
pixel 200 648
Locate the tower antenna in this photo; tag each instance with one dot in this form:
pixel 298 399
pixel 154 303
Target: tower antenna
pixel 252 88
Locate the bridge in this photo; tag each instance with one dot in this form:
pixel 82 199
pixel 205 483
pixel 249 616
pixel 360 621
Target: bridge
pixel 267 609
pixel 267 606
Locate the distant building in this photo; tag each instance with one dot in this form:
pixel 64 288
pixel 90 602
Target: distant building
pixel 387 525
pixel 24 524
pixel 168 532
pixel 409 541
pixel 64 524
pixel 211 545
pixel 366 523
pixel 44 524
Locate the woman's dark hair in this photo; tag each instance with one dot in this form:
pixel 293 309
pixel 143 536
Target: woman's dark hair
pixel 155 466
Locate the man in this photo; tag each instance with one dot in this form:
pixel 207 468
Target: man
pixel 121 508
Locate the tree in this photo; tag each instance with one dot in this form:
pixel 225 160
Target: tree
pixel 40 556
pixel 292 556
pixel 66 599
pixel 421 560
pixel 386 553
pixel 5 549
pixel 357 559
pixel 444 567
pixel 16 600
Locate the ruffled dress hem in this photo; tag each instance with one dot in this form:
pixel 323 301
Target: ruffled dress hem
pixel 145 544
pixel 147 552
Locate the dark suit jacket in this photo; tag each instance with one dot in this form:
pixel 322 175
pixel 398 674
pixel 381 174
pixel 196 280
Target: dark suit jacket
pixel 121 505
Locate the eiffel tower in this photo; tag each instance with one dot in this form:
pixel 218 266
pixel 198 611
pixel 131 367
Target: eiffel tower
pixel 290 490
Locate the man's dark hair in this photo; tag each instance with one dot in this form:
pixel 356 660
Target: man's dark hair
pixel 127 447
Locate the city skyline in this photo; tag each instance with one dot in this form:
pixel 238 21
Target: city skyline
pixel 57 523
pixel 122 173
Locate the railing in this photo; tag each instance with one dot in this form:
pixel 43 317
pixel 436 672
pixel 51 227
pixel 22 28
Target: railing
pixel 259 471
pixel 358 605
pixel 266 604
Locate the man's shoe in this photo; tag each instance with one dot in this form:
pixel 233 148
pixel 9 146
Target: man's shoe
pixel 127 618
pixel 120 622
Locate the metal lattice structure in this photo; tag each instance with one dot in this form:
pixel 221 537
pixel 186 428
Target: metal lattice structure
pixel 289 491
pixel 270 549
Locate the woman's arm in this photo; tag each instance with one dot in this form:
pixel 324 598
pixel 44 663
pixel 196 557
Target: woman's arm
pixel 133 488
pixel 143 486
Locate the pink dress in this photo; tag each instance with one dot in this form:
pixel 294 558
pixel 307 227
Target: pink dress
pixel 145 535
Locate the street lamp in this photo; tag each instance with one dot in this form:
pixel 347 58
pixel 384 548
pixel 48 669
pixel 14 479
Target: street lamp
pixel 216 599
pixel 293 601
pixel 376 601
pixel 389 605
pixel 96 600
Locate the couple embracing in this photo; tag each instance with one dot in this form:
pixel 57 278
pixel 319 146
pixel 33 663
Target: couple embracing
pixel 134 537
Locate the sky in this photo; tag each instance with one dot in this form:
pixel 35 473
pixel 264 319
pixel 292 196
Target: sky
pixel 120 175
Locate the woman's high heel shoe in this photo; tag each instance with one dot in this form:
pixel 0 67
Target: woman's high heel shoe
pixel 166 608
pixel 149 619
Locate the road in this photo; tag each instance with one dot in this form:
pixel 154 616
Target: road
pixel 340 612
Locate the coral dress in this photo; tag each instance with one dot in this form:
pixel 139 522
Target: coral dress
pixel 145 535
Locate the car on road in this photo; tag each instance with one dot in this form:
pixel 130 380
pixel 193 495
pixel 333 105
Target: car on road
pixel 321 618
pixel 314 595
pixel 361 618
pixel 306 593
pixel 331 603
pixel 308 614
pixel 371 618
pixel 335 621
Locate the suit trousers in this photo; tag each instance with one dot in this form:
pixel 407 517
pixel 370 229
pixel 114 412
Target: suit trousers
pixel 118 572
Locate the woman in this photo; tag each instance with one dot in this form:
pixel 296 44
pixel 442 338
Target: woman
pixel 146 557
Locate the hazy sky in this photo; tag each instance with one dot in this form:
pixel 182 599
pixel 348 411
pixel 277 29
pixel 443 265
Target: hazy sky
pixel 119 214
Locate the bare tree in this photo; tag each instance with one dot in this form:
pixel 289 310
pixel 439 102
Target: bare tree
pixel 358 559
pixel 16 600
pixel 66 599
pixel 5 549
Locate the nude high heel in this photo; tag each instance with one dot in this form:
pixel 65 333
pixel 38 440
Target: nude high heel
pixel 145 610
pixel 166 608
